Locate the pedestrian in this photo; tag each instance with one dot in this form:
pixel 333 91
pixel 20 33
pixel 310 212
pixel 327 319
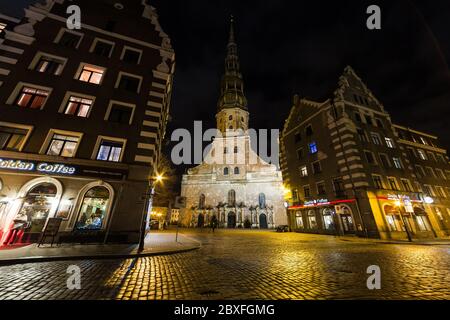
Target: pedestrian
pixel 213 223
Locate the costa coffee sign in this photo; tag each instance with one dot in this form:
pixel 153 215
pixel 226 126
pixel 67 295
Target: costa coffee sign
pixel 43 167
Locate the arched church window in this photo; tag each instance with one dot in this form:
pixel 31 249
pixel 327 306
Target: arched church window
pixel 231 198
pixel 230 118
pixel 226 171
pixel 201 201
pixel 236 149
pixel 236 170
pixel 262 200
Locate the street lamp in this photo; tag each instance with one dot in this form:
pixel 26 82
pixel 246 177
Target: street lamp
pixel 148 192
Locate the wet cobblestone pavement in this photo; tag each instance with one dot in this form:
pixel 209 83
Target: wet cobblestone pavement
pixel 246 265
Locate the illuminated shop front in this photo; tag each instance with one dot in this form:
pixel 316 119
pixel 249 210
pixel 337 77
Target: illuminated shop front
pixel 324 217
pixel 82 202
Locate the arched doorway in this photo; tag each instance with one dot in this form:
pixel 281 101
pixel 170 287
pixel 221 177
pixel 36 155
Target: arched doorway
pixel 347 222
pixel 201 220
pixel 38 205
pixel 94 208
pixel 421 218
pixel 263 221
pixel 231 220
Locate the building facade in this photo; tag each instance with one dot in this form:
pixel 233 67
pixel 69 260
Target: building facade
pixel 233 184
pixel 82 116
pixel 352 171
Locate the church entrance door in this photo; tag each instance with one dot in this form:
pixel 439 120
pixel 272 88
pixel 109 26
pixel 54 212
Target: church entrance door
pixel 263 221
pixel 201 220
pixel 231 220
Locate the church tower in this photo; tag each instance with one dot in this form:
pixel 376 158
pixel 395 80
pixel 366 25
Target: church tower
pixel 232 113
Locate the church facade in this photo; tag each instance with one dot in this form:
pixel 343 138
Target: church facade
pixel 233 184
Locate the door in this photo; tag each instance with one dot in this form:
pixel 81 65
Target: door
pixel 201 220
pixel 231 220
pixel 347 224
pixel 263 221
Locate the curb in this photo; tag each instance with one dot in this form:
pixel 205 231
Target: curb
pixel 94 257
pixel 399 242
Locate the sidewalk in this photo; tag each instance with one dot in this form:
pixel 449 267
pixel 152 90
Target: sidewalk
pixel 435 242
pixel 156 243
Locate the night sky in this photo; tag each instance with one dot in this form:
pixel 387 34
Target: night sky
pixel 289 47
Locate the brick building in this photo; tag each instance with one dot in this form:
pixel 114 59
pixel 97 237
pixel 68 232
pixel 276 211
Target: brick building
pixel 82 116
pixel 352 171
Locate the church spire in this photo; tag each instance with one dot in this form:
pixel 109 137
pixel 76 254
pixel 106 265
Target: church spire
pixel 232 90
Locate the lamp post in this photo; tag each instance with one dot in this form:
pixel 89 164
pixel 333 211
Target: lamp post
pixel 148 192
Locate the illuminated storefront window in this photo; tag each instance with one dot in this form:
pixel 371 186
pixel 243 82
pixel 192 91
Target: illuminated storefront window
pixel 36 207
pixel 93 209
pixel 328 219
pixel 312 222
pixel 299 220
pixel 393 219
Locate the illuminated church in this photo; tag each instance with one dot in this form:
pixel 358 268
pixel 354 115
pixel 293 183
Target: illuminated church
pixel 233 183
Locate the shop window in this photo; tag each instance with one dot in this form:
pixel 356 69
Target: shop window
pixel 63 145
pixel 91 74
pixel 132 56
pixel 32 98
pixel 93 209
pixel 422 223
pixel 312 221
pixel 328 219
pixel 299 220
pixel 78 106
pixel 110 151
pixel 37 206
pixel 393 219
pixel 11 139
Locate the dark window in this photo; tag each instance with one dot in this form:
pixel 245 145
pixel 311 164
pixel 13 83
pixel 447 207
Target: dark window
pixel 384 161
pixel 231 198
pixel 321 189
pixel 70 40
pixel 298 137
pixel 377 182
pixel 236 150
pixel 338 185
pixel 369 157
pixel 11 138
pixel 309 131
pixel 49 66
pixel 369 120
pixel 32 98
pixel 236 170
pixel 379 123
pixel 392 184
pixel 202 201
pixel 358 117
pixel 129 83
pixel 103 49
pixel 226 171
pixel 131 56
pixel 362 135
pixel 78 106
pixel 110 151
pixel 307 191
pixel 120 114
pixel 317 167
pixel 300 154
pixel 406 185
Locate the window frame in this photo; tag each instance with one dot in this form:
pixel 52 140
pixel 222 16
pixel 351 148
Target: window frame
pixel 96 41
pixel 123 104
pixel 64 30
pixel 68 95
pixel 13 98
pixel 40 54
pixel 98 144
pixel 302 171
pixel 47 142
pixel 125 48
pixel 130 75
pixel 81 69
pixel 381 186
pixel 21 127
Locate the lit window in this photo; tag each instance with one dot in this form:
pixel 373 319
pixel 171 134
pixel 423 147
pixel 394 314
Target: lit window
pixel 421 154
pixel 62 145
pixel 390 143
pixel 79 107
pixel 328 219
pixel 304 171
pixel 91 74
pixel 12 138
pixel 397 163
pixel 422 139
pixel 32 98
pixel 93 209
pixel 299 220
pixel 313 148
pixel 2 27
pixel 312 222
pixel 50 65
pixel 427 190
pixel 110 151
pixel 369 157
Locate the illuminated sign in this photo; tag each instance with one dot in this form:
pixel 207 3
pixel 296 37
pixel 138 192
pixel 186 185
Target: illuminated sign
pixel 316 202
pixel 44 167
